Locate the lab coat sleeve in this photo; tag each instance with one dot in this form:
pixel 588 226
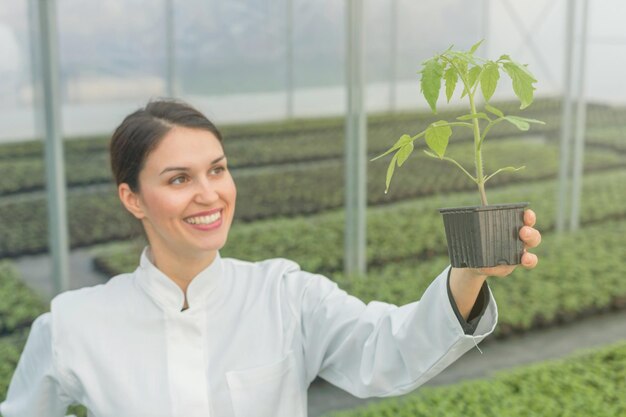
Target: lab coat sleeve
pixel 380 349
pixel 35 389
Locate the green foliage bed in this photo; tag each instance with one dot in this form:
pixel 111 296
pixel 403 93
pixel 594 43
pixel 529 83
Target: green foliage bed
pixel 410 229
pixel 96 215
pixel 331 127
pixel 22 167
pixel 10 350
pixel 19 305
pixel 588 384
pixel 579 275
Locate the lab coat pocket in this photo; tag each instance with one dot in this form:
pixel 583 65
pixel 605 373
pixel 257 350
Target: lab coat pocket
pixel 267 391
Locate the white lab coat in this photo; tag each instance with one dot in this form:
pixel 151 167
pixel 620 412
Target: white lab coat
pixel 253 339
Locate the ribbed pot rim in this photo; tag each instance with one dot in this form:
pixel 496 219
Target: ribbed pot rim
pixel 484 208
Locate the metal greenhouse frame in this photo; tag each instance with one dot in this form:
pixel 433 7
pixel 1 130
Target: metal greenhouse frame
pixel 46 76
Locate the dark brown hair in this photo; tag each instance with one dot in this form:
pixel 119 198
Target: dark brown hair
pixel 141 132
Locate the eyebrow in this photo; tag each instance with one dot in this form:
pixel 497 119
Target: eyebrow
pixel 168 169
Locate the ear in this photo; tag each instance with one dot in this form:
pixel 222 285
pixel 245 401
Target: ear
pixel 130 200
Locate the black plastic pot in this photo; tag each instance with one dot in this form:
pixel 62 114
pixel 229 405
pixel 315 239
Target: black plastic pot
pixel 484 236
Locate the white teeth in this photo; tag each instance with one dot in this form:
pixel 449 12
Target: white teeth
pixel 205 219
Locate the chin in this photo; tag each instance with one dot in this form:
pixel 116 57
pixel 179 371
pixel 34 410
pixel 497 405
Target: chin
pixel 212 247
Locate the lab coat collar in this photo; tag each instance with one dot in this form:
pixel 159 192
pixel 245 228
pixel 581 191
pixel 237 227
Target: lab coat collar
pixel 170 296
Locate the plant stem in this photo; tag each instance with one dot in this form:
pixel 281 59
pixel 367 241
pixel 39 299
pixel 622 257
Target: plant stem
pixel 489 126
pixel 460 166
pixel 478 152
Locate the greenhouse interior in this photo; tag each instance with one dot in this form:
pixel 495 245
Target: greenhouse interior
pixel 348 125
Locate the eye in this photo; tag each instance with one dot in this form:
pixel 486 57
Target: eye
pixel 178 180
pixel 218 170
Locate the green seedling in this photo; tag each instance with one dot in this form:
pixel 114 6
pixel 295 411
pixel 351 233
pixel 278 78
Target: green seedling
pixel 472 72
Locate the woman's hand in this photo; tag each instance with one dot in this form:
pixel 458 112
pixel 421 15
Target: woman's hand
pixel 465 283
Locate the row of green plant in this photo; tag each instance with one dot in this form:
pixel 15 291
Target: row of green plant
pixel 27 174
pixel 320 128
pixel 411 229
pixel 96 216
pixel 11 347
pixel 569 282
pixel 611 136
pixel 578 274
pixel 83 168
pixel 87 161
pixel 20 305
pixel 301 145
pixel 314 139
pixel 590 383
pixel 296 190
pixel 319 145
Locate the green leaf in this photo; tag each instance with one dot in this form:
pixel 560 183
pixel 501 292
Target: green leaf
pixel 522 82
pixel 404 139
pixel 451 76
pixel 390 169
pixel 507 169
pixel 539 122
pixel 475 46
pixel 518 122
pixel 473 116
pixel 404 153
pixel 431 82
pixel 494 110
pixel 473 75
pixel 463 56
pixel 489 79
pixel 504 58
pixel 461 66
pixel 522 123
pixel 437 137
pixel 511 169
pixel 471 79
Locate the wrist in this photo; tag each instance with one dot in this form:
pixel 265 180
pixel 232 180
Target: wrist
pixel 465 286
pixel 471 274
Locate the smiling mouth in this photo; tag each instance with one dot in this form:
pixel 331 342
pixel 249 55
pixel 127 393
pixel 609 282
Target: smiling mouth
pixel 210 219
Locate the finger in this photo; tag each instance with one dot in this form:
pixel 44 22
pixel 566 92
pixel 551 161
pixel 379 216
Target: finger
pixel 529 260
pixel 529 217
pixel 531 237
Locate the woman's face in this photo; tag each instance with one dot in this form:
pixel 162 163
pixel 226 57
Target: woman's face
pixel 186 198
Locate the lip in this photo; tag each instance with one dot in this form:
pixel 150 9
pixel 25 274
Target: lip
pixel 204 213
pixel 205 227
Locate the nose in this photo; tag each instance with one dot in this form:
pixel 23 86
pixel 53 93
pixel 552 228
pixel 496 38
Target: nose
pixel 206 192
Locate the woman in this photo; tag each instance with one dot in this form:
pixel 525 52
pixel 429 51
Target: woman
pixel 190 334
